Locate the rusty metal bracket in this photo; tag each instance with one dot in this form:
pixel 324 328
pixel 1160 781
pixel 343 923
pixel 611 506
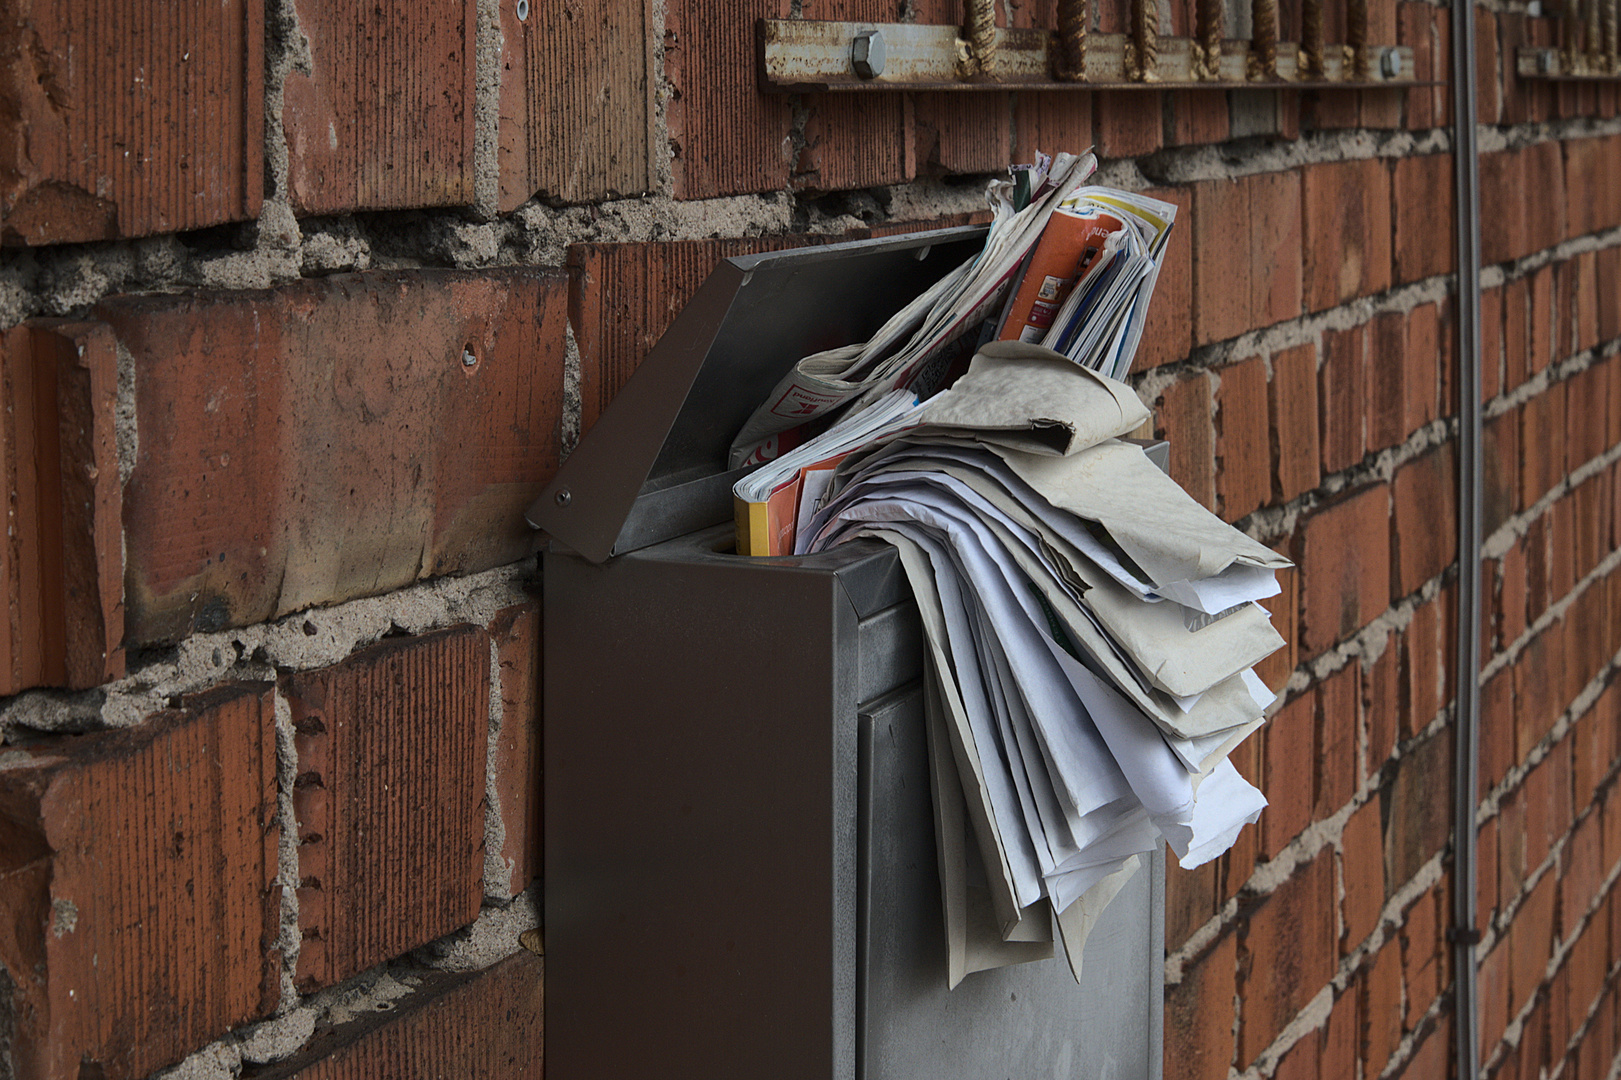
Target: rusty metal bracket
pixel 805 55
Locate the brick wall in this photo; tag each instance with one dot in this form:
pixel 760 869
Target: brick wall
pixel 298 310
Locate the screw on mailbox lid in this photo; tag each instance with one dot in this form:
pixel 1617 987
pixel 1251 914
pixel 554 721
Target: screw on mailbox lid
pixel 1390 64
pixel 868 53
pixel 563 497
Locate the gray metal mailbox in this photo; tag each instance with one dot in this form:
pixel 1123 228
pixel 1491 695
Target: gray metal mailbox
pixel 740 876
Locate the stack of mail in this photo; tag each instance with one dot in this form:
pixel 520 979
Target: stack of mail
pixel 1092 632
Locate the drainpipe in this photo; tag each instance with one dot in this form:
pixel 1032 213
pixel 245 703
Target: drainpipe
pixel 1466 174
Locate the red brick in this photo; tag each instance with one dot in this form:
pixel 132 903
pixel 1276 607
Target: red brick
pixel 1423 401
pixel 1183 417
pixel 1196 116
pixel 138 885
pixel 326 440
pixel 1287 954
pixel 1486 874
pixel 1381 1008
pixel 61 565
pixel 1595 748
pixel 1516 332
pixel 726 136
pixel 1581 872
pixel 1381 705
pixel 1537 596
pixel 1342 403
pixel 383 117
pixel 1588 964
pixel 1491 345
pixel 1500 472
pixel 1242 475
pixel 1530 941
pixel 576 117
pixel 1539 685
pixel 1494 994
pixel 487 1024
pixel 391 760
pixel 1190 899
pixel 1503 203
pixel 516 765
pixel 1589 631
pixel 1221 260
pixel 1199 1015
pixel 1421 203
pixel 1055 120
pixel 128 122
pixel 1341 1037
pixel 1542 337
pixel 1128 125
pixel 1585 314
pixel 1588 414
pixel 1591 511
pixel 1542 443
pixel 1418 808
pixel 1422 947
pixel 1346 213
pixel 1362 874
pixel 1344 567
pixel 1498 747
pixel 961 133
pixel 1287 741
pixel 1296 457
pixel 1387 392
pixel 853 140
pixel 1609 297
pixel 1285 611
pixel 1168 332
pixel 1339 700
pixel 1544 218
pixel 1416 28
pixel 1275 268
pixel 1593 195
pixel 1425 534
pixel 1488 92
pixel 1547 804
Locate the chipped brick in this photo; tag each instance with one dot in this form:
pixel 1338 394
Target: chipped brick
pixel 1344 566
pixel 1346 211
pixel 516 632
pixel 1242 478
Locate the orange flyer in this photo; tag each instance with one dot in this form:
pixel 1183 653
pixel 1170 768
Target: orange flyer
pixel 1068 245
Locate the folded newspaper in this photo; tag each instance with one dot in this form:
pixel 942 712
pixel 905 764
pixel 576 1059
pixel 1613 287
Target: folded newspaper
pixel 1092 630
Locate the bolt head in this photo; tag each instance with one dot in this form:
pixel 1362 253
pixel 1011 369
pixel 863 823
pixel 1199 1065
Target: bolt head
pixel 1548 62
pixel 1390 64
pixel 868 53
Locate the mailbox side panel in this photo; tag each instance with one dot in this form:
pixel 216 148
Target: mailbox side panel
pixel 691 715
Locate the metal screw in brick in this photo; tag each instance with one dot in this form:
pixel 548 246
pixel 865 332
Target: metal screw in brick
pixel 468 359
pixel 868 53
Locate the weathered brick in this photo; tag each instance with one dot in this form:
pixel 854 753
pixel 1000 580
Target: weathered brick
pixel 1183 417
pixel 1423 400
pixel 1595 748
pixel 1275 256
pixel 1581 872
pixel 1494 994
pixel 383 117
pixel 1590 503
pixel 1243 467
pixel 1424 530
pixel 1530 941
pixel 1381 705
pixel 1285 611
pixel 1500 471
pixel 516 764
pixel 1591 637
pixel 1491 343
pixel 328 440
pixel 391 758
pixel 1362 874
pixel 1190 899
pixel 61 563
pixel 1053 121
pixel 1196 116
pixel 1221 260
pixel 1287 741
pixel 1594 198
pixel 1296 457
pixel 1343 554
pixel 1586 302
pixel 1609 297
pixel 1418 808
pixel 1381 1008
pixel 1547 804
pixel 1516 332
pixel 961 133
pixel 1342 403
pixel 1502 202
pixel 1128 125
pixel 124 122
pixel 1488 91
pixel 1539 688
pixel 1339 722
pixel 138 885
pixel 1421 197
pixel 1422 947
pixel 1542 443
pixel 576 118
pixel 1346 215
pixel 1287 953
pixel 1544 218
pixel 1497 737
pixel 1199 1016
pixel 1587 418
pixel 1386 387
pixel 482 1026
pixel 1542 337
pixel 1168 331
pixel 1588 964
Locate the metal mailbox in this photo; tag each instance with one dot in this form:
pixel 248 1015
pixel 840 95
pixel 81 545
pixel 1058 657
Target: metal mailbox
pixel 740 875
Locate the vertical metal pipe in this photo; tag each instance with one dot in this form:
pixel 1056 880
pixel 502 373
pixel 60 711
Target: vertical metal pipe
pixel 1466 175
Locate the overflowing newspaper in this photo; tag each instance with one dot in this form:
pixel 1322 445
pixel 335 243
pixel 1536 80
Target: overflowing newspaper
pixel 1091 636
